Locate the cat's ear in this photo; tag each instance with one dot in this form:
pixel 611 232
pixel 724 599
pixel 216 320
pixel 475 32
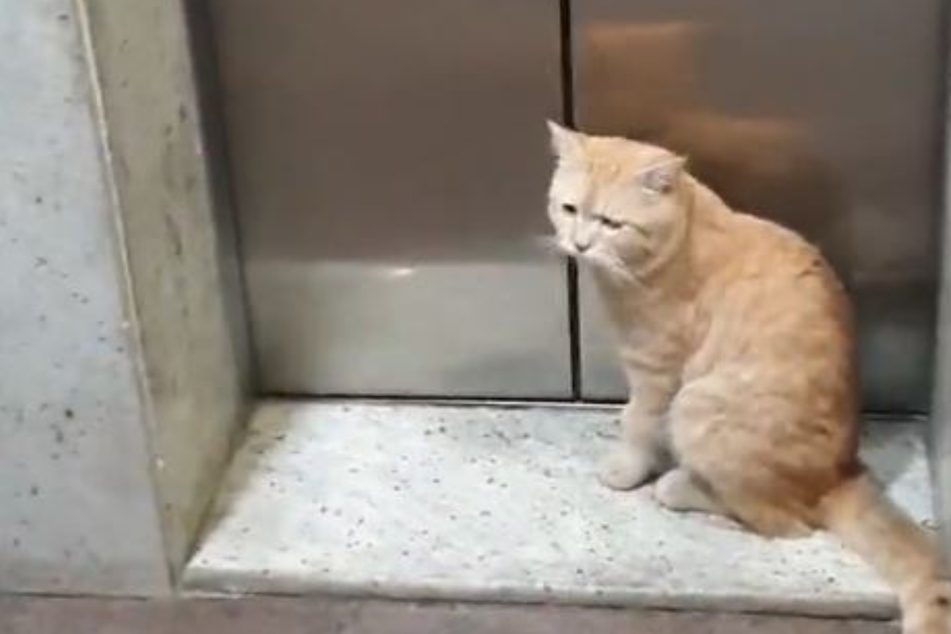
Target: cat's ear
pixel 661 178
pixel 565 143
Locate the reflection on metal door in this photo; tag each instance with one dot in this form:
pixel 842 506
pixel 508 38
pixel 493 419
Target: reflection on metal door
pixel 390 161
pixel 801 112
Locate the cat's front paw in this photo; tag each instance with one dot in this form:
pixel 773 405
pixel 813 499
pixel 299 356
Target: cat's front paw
pixel 626 468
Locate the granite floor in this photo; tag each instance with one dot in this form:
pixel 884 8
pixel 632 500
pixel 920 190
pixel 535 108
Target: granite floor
pixel 501 504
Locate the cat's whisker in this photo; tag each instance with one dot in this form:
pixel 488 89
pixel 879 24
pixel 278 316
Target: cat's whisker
pixel 549 243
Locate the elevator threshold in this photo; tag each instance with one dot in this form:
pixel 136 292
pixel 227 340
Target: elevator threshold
pixel 502 504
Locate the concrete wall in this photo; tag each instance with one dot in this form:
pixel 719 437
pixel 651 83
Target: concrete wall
pixel 78 510
pixel 182 252
pixel 122 371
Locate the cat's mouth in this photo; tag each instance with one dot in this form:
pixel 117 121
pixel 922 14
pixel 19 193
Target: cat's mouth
pixel 602 261
pixel 565 247
pixel 588 257
pixel 559 246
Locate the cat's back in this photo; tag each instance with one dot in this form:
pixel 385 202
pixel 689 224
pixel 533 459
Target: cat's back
pixel 774 324
pixel 767 288
pixel 754 248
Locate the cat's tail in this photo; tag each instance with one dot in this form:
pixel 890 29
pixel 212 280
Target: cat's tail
pixel 859 513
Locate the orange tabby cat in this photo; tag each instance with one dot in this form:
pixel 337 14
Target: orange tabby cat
pixel 738 339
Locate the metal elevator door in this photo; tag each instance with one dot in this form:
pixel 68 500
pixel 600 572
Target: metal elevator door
pixel 825 116
pixel 389 161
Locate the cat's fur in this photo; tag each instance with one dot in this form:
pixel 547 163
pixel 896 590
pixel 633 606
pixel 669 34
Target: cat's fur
pixel 738 343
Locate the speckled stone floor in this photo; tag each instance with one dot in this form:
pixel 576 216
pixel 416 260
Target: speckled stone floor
pixel 502 504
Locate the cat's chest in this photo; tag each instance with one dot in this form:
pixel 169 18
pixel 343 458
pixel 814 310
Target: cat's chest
pixel 647 317
pixel 653 326
pixel 640 327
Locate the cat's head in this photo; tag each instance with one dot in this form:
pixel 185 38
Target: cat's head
pixel 615 204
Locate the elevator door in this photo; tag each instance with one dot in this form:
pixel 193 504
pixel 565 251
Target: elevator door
pixel 389 161
pixel 822 115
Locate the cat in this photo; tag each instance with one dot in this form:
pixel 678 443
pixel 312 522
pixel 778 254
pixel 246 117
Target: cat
pixel 738 339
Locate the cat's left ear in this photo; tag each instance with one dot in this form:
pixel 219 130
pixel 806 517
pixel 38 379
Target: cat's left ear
pixel 565 143
pixel 661 178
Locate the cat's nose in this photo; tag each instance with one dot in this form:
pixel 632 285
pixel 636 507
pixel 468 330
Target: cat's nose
pixel 582 246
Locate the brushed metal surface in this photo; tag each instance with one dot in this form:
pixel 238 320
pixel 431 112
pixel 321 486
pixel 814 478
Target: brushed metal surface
pixel 824 116
pixel 390 163
pixel 940 445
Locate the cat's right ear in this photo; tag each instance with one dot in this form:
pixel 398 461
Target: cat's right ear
pixel 565 143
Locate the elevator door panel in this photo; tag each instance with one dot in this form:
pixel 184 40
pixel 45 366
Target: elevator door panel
pixel 824 116
pixel 390 163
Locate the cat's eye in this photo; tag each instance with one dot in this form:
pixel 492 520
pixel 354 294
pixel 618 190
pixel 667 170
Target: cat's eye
pixel 569 209
pixel 657 185
pixel 610 223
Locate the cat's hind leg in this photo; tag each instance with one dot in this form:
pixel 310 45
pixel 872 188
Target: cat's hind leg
pixel 681 490
pixel 724 447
